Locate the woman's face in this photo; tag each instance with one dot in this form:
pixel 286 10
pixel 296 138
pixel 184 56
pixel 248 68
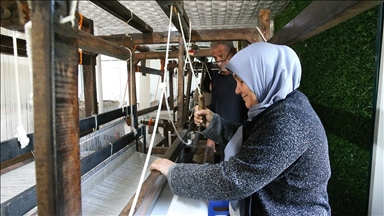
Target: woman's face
pixel 242 89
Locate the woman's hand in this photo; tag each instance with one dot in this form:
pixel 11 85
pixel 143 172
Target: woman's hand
pixel 198 116
pixel 162 165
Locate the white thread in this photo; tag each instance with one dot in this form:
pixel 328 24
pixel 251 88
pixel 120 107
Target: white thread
pixel 261 34
pixel 188 57
pixel 95 128
pixel 111 148
pixel 133 207
pixel 20 131
pixel 71 17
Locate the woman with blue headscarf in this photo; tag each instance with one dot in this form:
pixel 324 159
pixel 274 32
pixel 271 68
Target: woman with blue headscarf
pixel 276 162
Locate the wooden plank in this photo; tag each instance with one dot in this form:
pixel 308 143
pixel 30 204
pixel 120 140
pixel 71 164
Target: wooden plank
pixel 14 14
pixel 91 43
pixel 248 34
pixel 89 77
pixel 171 54
pixel 318 17
pixel 147 70
pixel 188 95
pixel 20 204
pixel 265 23
pixel 118 10
pixel 56 112
pixel 180 86
pixel 11 148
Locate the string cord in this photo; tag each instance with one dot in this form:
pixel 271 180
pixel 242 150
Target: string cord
pixel 187 56
pixel 20 134
pixel 133 207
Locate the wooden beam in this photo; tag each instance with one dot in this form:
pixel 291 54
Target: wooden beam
pixel 265 23
pixel 318 17
pixel 118 10
pixel 248 34
pixel 172 54
pixel 14 14
pixel 178 7
pixel 56 110
pixel 180 86
pixel 89 77
pixel 98 45
pixel 147 70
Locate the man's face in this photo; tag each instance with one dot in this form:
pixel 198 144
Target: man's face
pixel 221 55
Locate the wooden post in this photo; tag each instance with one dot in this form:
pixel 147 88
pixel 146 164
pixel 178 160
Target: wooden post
pixel 265 23
pixel 56 112
pixel 89 77
pixel 188 94
pixel 180 86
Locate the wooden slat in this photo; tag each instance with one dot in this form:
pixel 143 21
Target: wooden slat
pixel 56 112
pixel 14 14
pixel 118 10
pixel 265 23
pixel 147 70
pixel 171 54
pixel 89 76
pixel 91 43
pixel 318 17
pixel 180 86
pixel 248 34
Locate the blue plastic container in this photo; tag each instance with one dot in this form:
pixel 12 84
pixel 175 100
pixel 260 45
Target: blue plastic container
pixel 219 207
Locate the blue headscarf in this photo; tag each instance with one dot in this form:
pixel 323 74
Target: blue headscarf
pixel 270 71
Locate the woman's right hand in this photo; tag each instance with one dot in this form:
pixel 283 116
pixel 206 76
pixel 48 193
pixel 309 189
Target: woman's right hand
pixel 198 116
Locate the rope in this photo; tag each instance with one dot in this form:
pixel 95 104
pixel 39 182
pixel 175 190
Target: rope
pixel 261 34
pixel 20 134
pixel 162 86
pixel 71 17
pixel 188 57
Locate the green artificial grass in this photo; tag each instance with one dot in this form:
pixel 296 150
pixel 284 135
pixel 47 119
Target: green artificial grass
pixel 338 78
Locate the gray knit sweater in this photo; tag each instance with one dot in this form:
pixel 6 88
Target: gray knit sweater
pixel 282 167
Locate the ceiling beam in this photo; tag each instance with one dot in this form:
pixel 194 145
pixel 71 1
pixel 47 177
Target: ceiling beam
pixel 248 34
pixel 178 6
pixel 14 14
pixel 318 17
pixel 118 10
pixel 171 54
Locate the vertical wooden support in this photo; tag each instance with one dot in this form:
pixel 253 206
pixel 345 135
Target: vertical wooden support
pixel 56 112
pixel 180 86
pixel 265 23
pixel 188 94
pixel 171 70
pixel 89 77
pixel 132 88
